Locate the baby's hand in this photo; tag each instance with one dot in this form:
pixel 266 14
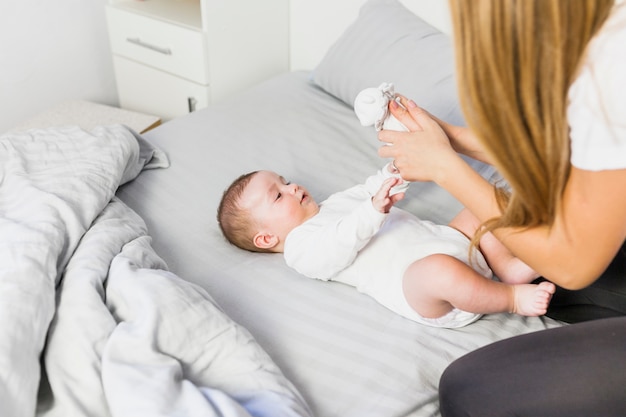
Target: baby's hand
pixel 382 201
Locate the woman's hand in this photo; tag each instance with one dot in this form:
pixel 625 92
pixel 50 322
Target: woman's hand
pixel 422 154
pixel 425 153
pixel 461 138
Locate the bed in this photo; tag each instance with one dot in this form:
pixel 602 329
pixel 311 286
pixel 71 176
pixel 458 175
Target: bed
pixel 214 329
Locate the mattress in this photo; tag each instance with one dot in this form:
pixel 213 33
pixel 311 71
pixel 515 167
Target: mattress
pixel 346 354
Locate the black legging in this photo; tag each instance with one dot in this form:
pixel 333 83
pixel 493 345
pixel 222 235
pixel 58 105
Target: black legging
pixel 576 370
pixel 573 371
pixel 604 298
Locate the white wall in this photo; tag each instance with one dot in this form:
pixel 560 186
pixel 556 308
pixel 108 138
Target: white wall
pixel 56 50
pixel 51 51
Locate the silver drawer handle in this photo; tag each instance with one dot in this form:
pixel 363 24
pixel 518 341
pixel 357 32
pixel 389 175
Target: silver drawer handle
pixel 191 104
pixel 139 42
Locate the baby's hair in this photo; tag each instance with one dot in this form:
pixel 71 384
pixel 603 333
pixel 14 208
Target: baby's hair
pixel 235 222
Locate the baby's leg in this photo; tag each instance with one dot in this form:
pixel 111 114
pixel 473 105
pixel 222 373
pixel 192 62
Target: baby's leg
pixel 504 264
pixel 435 284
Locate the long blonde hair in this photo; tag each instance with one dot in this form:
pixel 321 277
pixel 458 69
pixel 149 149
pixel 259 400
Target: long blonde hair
pixel 516 60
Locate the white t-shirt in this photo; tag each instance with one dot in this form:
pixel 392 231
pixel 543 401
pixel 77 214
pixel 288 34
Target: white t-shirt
pixel 597 100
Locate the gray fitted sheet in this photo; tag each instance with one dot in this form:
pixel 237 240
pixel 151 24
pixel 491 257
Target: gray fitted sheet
pixel 349 356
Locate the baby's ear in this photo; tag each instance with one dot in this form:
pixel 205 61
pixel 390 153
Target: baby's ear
pixel 264 240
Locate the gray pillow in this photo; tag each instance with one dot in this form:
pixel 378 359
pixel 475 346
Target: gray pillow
pixel 388 43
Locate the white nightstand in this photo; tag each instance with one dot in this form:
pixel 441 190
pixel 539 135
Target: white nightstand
pixel 175 56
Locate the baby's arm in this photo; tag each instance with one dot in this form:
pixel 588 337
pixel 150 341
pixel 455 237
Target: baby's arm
pixel 321 249
pixel 375 182
pixel 383 200
pixel 338 239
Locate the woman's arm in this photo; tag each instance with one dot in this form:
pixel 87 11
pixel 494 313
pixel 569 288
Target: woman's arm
pixel 588 230
pixel 463 140
pixel 587 233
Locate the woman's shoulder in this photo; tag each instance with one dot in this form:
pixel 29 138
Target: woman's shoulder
pixel 597 102
pixel 611 36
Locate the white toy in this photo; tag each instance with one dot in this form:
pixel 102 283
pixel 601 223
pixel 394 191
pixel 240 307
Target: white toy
pixel 372 108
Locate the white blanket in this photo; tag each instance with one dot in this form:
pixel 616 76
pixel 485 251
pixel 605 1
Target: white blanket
pixel 91 321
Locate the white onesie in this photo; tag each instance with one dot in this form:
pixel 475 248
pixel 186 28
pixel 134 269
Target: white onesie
pixel 351 242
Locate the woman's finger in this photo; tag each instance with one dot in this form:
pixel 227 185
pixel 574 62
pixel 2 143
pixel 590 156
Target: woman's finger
pixel 417 113
pixel 402 113
pixel 388 137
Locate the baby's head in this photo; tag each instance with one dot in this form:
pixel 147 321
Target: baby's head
pixel 260 208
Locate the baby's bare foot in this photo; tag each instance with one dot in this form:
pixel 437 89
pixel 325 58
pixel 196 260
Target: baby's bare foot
pixel 533 300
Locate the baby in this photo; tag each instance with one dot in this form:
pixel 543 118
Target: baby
pixel 416 268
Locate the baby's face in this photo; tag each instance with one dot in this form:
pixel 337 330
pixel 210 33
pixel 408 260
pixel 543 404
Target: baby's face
pixel 276 204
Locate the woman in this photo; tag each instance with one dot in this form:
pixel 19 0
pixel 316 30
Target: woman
pixel 543 88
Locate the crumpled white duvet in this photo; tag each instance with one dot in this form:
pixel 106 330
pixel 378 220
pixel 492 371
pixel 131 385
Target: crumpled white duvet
pixel 91 321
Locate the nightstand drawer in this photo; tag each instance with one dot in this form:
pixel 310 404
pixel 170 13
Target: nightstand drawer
pixel 168 47
pixel 143 88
